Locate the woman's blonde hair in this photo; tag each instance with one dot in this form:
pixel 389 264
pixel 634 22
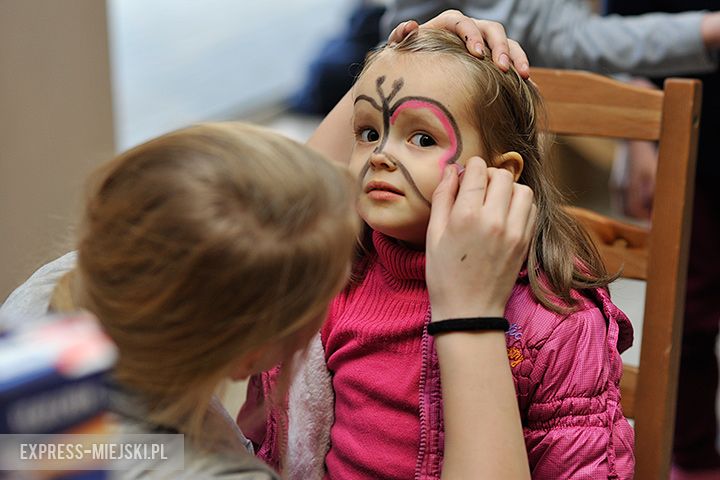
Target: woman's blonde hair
pixel 508 115
pixel 203 245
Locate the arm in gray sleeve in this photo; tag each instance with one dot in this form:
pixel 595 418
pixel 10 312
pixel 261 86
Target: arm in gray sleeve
pixel 567 34
pixel 31 299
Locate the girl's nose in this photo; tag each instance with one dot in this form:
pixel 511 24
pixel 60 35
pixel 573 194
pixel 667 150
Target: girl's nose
pixel 381 160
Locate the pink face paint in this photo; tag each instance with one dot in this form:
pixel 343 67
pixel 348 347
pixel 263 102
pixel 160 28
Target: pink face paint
pixel 447 123
pixel 390 114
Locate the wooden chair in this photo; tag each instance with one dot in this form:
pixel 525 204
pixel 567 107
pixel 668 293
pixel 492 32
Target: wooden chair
pixel 581 103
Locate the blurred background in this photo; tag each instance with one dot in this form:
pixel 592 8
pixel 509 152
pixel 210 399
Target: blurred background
pixel 83 79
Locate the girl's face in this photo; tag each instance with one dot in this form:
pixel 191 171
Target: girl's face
pixel 410 120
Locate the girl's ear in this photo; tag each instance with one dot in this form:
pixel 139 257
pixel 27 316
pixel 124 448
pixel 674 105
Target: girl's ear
pixel 512 162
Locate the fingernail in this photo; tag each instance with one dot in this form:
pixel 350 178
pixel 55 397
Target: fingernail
pixel 504 61
pixel 479 49
pixel 460 171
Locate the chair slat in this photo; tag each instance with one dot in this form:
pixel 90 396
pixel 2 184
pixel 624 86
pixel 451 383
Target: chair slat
pixel 628 389
pixel 667 274
pixel 580 103
pixel 622 246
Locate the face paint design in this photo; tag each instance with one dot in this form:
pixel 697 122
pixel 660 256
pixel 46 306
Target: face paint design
pixel 390 114
pixel 445 119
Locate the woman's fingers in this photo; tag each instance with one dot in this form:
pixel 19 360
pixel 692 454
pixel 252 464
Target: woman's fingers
pixel 473 188
pixel 521 218
pixel 464 27
pixel 530 226
pixel 402 31
pixel 519 59
pixel 480 37
pixel 504 50
pixel 520 206
pixel 442 203
pixel 494 35
pixel 498 196
pixel 480 228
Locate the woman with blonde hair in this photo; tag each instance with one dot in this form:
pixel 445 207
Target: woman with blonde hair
pixel 205 254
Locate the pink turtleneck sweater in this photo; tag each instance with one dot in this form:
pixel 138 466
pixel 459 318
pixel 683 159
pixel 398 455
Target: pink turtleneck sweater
pixel 372 343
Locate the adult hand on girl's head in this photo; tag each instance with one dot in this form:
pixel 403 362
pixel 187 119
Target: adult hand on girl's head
pixel 477 240
pixel 478 34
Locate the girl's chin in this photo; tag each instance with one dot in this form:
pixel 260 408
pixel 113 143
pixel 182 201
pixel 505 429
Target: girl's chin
pixel 415 242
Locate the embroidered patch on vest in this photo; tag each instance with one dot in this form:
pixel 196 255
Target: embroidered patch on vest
pixel 515 355
pixel 514 332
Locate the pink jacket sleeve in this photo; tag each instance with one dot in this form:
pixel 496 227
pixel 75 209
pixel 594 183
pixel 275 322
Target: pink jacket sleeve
pixel 258 418
pixel 574 425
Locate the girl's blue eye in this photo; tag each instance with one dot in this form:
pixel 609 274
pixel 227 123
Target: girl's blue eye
pixel 369 135
pixel 423 140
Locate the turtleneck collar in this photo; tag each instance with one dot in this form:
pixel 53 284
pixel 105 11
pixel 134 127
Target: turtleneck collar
pixel 401 262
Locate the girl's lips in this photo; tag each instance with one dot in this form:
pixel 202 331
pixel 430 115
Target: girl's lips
pixel 381 187
pixel 383 195
pixel 382 191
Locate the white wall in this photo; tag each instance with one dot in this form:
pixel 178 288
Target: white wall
pixel 55 125
pixel 176 62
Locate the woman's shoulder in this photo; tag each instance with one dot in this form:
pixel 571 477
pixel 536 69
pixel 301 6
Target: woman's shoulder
pixel 225 466
pixel 206 466
pixel 230 458
pixel 31 299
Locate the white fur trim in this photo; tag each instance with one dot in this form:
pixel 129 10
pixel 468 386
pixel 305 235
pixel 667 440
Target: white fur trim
pixel 310 416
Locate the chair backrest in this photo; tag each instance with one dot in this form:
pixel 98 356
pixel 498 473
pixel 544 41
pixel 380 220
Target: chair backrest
pixel 581 103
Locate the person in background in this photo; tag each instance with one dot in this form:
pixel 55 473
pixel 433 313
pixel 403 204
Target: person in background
pixel 569 34
pixel 554 33
pixel 334 67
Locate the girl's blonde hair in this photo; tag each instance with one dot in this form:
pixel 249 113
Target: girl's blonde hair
pixel 203 245
pixel 508 114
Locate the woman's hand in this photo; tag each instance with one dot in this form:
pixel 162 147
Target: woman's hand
pixel 477 240
pixel 478 34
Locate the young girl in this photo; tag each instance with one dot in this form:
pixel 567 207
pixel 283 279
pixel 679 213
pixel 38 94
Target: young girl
pixel 370 395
